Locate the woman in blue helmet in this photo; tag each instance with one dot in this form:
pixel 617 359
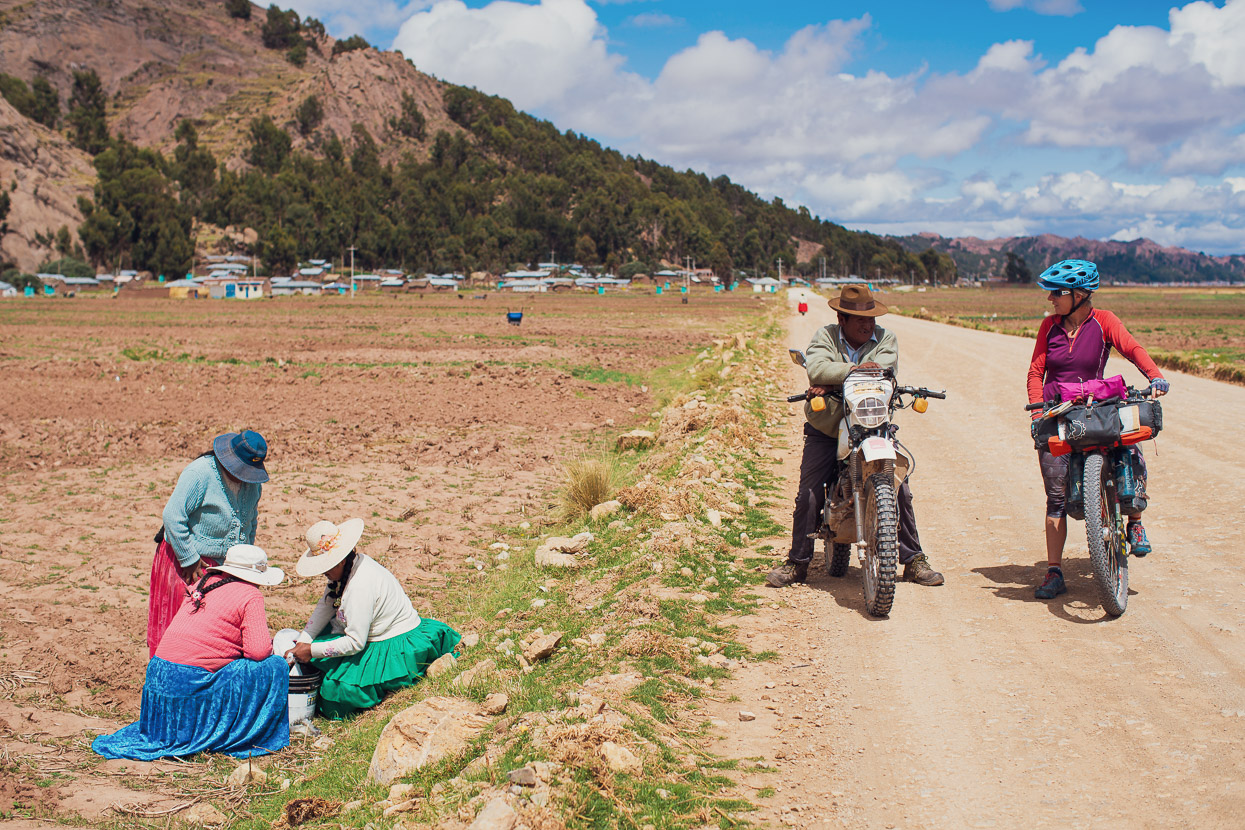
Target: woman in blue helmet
pixel 1072 346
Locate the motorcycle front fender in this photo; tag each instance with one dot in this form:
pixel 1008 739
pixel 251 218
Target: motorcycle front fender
pixel 876 448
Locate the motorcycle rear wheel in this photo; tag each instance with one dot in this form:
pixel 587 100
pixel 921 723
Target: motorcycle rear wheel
pixel 1105 533
pixel 838 555
pixel 881 543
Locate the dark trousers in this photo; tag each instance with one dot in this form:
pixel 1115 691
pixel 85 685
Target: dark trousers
pixel 819 467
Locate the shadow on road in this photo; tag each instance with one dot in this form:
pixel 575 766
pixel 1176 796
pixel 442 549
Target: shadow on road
pixel 847 590
pixel 1016 583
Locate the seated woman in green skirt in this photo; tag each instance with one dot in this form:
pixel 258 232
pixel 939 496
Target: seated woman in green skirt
pixel 363 634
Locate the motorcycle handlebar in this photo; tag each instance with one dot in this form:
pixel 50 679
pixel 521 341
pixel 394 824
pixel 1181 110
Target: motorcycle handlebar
pixel 921 392
pixel 803 396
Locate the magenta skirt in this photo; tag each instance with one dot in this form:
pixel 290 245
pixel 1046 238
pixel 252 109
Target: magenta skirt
pixel 168 592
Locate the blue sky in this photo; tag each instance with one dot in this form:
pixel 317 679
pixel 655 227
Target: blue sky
pixel 987 118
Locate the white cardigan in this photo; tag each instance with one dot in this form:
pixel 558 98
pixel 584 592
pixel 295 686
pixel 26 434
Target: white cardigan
pixel 373 607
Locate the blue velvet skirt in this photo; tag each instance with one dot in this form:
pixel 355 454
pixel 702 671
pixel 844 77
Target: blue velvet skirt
pixel 239 710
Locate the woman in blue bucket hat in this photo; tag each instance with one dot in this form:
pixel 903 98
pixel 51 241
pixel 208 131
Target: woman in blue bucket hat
pixel 214 506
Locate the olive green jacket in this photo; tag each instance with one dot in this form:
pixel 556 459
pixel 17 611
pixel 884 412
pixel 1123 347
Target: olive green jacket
pixel 828 365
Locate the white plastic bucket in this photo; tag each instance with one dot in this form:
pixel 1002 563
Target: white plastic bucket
pixel 304 692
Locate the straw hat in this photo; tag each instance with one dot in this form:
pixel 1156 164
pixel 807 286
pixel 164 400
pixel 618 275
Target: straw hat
pixel 328 544
pixel 250 563
pixel 857 300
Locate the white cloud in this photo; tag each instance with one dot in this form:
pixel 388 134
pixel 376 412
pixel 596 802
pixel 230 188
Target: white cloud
pixel 652 20
pixel 358 17
pixel 792 122
pixel 536 55
pixel 1064 8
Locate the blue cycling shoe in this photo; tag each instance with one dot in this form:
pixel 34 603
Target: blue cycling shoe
pixel 1138 544
pixel 1052 587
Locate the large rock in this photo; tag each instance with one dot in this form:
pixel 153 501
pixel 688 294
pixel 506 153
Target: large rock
pixel 496 815
pixel 479 671
pixel 619 758
pixel 542 647
pixel 423 734
pixel 559 551
pixel 440 666
pixel 496 703
pixel 604 510
pixel 204 815
pixel 246 773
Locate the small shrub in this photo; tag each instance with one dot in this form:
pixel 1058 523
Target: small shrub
pixel 350 44
pixel 297 53
pixel 238 9
pixel 588 483
pixel 309 114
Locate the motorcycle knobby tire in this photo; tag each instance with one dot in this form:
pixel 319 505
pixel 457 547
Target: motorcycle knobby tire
pixel 881 543
pixel 839 557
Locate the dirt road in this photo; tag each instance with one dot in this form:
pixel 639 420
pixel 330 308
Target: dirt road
pixel 975 705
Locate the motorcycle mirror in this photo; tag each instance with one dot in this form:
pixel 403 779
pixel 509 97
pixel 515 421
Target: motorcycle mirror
pixel 920 404
pixel 797 356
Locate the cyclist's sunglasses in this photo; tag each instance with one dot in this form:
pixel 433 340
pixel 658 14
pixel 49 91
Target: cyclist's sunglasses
pixel 1060 292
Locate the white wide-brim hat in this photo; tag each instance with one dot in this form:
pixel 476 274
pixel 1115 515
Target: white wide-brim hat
pixel 250 563
pixel 328 544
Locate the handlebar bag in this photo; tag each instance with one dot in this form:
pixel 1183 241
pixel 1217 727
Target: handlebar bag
pixel 1098 388
pixel 1144 413
pixel 1097 426
pixel 1047 428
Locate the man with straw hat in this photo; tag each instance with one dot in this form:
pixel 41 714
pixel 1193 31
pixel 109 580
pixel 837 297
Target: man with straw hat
pixel 856 341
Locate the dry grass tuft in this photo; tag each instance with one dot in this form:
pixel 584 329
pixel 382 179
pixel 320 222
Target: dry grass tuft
pixel 654 498
pixel 588 483
pixel 302 810
pixel 648 644
pixel 577 745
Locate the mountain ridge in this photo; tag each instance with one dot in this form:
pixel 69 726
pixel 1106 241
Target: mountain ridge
pixel 190 61
pixel 1139 260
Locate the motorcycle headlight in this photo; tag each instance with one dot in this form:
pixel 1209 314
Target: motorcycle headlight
pixel 870 412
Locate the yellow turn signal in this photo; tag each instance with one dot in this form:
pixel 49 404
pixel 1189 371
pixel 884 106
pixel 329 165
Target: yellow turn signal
pixel 818 403
pixel 920 404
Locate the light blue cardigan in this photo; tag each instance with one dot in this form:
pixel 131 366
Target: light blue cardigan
pixel 202 518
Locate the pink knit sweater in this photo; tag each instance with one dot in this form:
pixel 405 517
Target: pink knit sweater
pixel 231 624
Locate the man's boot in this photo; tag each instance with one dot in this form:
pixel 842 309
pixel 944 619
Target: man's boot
pixel 919 571
pixel 786 574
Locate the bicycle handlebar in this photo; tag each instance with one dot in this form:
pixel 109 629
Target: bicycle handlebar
pixel 1111 401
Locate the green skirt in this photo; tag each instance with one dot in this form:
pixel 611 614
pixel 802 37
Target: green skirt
pixel 361 680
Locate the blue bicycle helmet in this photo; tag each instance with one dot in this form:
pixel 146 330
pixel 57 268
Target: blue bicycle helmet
pixel 1070 273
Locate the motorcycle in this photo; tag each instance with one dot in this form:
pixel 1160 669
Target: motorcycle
pixel 860 508
pixel 1105 482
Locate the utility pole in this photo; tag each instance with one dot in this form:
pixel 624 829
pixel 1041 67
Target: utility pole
pixel 352 250
pixel 780 270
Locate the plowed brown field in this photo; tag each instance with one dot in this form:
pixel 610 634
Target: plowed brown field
pixel 431 418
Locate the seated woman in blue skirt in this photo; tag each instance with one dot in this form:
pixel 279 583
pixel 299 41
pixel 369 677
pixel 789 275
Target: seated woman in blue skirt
pixel 363 634
pixel 214 684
